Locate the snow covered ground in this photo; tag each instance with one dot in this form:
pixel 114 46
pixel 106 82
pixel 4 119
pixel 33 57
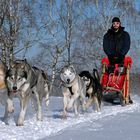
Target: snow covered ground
pixel 112 123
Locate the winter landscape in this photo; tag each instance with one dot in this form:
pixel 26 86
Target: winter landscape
pixel 113 122
pixel 50 34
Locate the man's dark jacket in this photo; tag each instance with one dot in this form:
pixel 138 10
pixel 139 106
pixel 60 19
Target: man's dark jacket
pixel 116 44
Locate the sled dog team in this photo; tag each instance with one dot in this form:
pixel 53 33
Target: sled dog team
pixel 80 91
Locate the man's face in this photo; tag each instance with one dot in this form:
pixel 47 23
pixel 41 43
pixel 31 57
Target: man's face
pixel 116 25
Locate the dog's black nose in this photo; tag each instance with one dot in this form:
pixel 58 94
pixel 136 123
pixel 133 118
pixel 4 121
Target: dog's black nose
pixel 68 80
pixel 14 88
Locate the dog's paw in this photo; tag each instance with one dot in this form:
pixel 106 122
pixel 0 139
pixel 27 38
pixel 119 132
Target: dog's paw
pixel 11 110
pixel 97 110
pixel 5 120
pixel 19 124
pixel 76 115
pixel 39 117
pixel 64 116
pixel 84 107
pixel 20 121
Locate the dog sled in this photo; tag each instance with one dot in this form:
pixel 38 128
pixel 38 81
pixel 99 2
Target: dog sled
pixel 115 81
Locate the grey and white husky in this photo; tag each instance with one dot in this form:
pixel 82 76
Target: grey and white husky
pixel 24 82
pixel 73 88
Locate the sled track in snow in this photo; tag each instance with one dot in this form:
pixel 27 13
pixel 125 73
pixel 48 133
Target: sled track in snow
pixel 53 124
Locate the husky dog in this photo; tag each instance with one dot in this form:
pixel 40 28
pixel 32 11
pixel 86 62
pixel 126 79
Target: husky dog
pixel 3 88
pixel 73 88
pixel 4 98
pixel 93 88
pixel 24 82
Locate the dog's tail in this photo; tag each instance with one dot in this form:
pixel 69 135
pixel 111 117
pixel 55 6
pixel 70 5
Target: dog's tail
pixel 96 74
pixel 47 87
pixel 98 87
pixel 97 79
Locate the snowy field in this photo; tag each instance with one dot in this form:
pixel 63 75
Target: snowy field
pixel 112 123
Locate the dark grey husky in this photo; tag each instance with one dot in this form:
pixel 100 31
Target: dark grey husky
pixel 93 88
pixel 24 82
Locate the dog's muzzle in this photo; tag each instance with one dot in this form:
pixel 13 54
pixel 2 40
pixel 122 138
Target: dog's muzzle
pixel 14 90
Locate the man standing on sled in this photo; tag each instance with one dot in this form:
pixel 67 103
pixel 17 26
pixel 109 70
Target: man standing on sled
pixel 116 42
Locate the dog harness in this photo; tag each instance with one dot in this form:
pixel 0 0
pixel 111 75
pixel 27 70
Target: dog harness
pixel 70 89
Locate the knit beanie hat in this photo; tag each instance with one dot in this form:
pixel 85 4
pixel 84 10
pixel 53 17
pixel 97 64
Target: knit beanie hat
pixel 115 19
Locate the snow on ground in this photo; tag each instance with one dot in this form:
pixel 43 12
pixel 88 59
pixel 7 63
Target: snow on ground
pixel 112 122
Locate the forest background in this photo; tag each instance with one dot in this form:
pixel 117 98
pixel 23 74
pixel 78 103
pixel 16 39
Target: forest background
pixel 53 33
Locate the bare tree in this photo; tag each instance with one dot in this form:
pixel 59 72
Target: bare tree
pixel 9 28
pixel 69 28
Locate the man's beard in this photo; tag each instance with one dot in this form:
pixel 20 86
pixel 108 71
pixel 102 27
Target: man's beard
pixel 115 29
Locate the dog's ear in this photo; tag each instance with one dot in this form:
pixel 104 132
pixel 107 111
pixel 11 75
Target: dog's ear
pixel 96 74
pixel 62 69
pixel 72 67
pixel 24 63
pixel 22 66
pixel 12 65
pixel 25 60
pixel 61 75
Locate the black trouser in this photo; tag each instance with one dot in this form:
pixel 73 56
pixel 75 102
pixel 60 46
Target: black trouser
pixel 116 60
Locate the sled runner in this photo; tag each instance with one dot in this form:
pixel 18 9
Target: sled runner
pixel 115 81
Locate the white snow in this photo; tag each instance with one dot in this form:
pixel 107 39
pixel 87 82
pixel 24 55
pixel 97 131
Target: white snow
pixel 112 123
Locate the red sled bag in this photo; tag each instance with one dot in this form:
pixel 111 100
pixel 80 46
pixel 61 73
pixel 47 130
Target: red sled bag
pixel 115 79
